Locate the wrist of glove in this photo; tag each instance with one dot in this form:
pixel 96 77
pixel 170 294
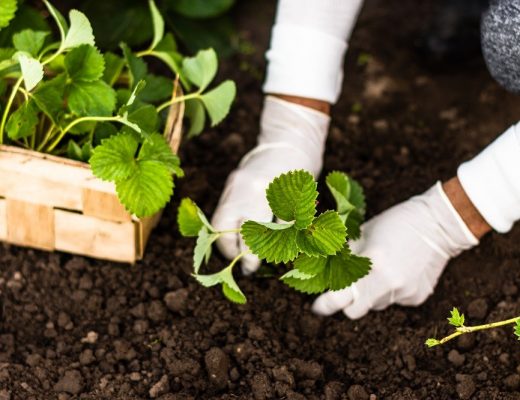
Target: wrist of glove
pixel 409 245
pixel 291 137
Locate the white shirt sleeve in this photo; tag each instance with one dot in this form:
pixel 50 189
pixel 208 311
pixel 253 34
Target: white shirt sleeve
pixel 308 45
pixel 492 180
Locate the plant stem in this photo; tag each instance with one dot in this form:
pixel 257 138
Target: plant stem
pixel 76 122
pixel 461 330
pixel 8 107
pixel 178 100
pixel 237 258
pixel 229 231
pixel 47 137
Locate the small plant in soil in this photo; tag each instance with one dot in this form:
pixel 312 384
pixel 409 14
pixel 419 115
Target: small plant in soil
pixel 313 246
pixel 65 97
pixel 458 320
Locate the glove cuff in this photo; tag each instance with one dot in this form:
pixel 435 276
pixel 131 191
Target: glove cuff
pixel 492 180
pixel 308 45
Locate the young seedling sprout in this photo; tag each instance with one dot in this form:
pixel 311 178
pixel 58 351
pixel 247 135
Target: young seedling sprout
pixel 314 246
pixel 457 320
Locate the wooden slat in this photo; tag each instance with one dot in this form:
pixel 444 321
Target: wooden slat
pixel 104 205
pixel 30 224
pixel 3 220
pixel 144 228
pixel 90 236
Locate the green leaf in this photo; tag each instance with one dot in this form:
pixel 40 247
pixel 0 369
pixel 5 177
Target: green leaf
pixel 292 197
pixel 432 342
pixel 331 273
pixel 22 123
pixel 80 31
pixel 91 99
pixel 6 53
pixel 7 12
pixel 350 201
pixel 517 329
pixel 272 242
pixel 202 8
pixel 167 52
pixel 146 118
pixel 229 286
pixel 202 250
pixel 115 158
pixel 60 20
pixel 305 283
pixel 325 236
pixel 84 63
pixel 74 151
pixel 189 218
pixel 456 318
pixel 147 190
pixel 158 24
pixel 218 101
pixel 29 41
pixel 49 97
pixel 103 130
pixel 136 66
pixel 195 113
pixel 32 71
pixel 156 148
pixel 113 67
pixel 158 88
pixel 201 69
pixel 86 152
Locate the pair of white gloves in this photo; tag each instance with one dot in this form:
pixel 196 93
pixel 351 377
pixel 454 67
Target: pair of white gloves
pixel 409 244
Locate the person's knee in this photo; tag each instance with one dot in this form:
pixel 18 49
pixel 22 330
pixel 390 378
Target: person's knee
pixel 500 31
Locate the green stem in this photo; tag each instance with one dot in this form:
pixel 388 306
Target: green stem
pixel 229 231
pixel 46 138
pixel 237 258
pixel 76 122
pixel 461 330
pixel 178 100
pixel 8 107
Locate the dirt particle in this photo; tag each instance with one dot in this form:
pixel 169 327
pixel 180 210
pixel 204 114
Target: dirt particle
pixel 5 395
pixel 261 387
pixel 465 386
pixel 333 390
pixel 255 332
pixel 160 388
pixel 456 358
pixel 176 301
pixel 135 376
pixel 156 311
pixel 282 374
pixel 308 369
pixel 71 382
pixel 509 289
pixel 91 338
pixel 86 357
pixel 217 365
pixel 478 309
pixel 33 360
pixel 357 392
pixel 512 382
pixel 466 342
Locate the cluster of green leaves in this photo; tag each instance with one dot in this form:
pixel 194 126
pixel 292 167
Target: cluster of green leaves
pixel 67 98
pixel 457 319
pixel 314 245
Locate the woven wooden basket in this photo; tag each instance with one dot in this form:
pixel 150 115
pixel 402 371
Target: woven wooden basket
pixel 53 203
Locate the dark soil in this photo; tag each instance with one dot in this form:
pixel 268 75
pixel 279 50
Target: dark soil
pixel 80 328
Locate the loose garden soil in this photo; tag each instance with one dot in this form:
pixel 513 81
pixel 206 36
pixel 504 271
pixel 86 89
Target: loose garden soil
pixel 77 328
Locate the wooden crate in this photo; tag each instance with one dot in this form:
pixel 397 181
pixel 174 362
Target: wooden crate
pixel 53 203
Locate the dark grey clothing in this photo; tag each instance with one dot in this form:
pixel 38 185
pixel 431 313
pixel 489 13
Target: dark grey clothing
pixel 500 37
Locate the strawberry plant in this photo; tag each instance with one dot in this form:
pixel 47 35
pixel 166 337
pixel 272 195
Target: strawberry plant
pixel 65 97
pixel 458 320
pixel 314 246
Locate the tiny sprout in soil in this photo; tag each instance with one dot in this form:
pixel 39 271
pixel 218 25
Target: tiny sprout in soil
pixel 313 246
pixel 457 320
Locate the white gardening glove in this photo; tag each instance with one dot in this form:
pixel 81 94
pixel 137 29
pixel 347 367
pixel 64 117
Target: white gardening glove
pixel 291 137
pixel 409 245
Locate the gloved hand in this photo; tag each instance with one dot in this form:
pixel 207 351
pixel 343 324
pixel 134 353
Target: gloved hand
pixel 409 244
pixel 291 137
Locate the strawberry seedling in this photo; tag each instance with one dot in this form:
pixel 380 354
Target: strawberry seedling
pixel 314 246
pixel 65 97
pixel 457 320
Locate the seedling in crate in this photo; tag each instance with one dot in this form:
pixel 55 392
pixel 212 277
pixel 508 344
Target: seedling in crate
pixel 457 320
pixel 314 246
pixel 67 98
